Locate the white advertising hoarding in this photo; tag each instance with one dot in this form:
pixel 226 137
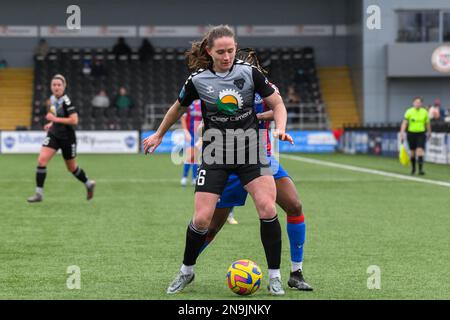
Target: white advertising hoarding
pixel 89 31
pixel 285 31
pixel 18 31
pixel 87 141
pixel 172 31
pixel 448 148
pixel 436 148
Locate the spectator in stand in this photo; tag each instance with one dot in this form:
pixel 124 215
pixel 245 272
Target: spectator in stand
pixel 42 48
pixel 447 116
pixel 3 64
pixel 121 47
pixel 300 77
pixel 436 113
pixel 98 69
pixel 146 50
pixel 292 95
pixel 100 103
pixel 86 70
pixel 123 102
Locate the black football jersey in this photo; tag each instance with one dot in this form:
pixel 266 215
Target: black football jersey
pixel 227 103
pixel 62 107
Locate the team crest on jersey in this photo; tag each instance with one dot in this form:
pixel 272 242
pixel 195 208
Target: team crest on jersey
pixel 229 101
pixel 258 99
pixel 239 83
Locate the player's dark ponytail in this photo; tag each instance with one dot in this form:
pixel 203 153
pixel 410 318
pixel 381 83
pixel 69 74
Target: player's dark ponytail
pixel 198 57
pixel 249 55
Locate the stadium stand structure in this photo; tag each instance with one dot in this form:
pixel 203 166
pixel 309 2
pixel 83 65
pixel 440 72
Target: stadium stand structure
pixel 154 84
pixel 15 98
pixel 337 91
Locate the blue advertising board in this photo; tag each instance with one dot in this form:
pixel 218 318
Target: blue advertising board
pixel 305 141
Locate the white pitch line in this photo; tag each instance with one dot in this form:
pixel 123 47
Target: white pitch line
pixel 365 170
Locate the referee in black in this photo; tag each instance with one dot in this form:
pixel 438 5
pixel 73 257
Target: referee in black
pixel 417 123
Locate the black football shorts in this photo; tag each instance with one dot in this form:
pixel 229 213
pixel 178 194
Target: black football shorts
pixel 214 179
pixel 68 146
pixel 416 140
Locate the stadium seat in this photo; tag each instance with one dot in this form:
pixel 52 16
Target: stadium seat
pixel 157 81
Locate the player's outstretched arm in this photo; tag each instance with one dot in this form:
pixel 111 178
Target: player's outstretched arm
pixel 175 112
pixel 275 103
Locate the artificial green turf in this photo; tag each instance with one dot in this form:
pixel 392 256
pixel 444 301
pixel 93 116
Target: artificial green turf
pixel 129 240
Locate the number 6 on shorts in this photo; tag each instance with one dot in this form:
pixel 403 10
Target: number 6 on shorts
pixel 201 177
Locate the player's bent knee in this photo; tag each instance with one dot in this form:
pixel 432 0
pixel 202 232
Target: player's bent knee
pixel 294 209
pixel 42 161
pixel 71 167
pixel 201 223
pixel 267 210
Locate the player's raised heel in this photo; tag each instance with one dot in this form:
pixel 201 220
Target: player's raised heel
pixel 232 220
pixel 36 198
pixel 180 282
pixel 296 281
pixel 275 288
pixel 90 190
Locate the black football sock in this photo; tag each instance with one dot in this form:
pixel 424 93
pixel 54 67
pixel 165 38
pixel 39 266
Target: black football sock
pixel 80 175
pixel 413 163
pixel 41 173
pixel 420 160
pixel 194 241
pixel 271 239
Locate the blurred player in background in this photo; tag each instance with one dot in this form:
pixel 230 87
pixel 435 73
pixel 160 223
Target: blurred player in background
pixel 190 121
pixel 416 122
pixel 60 135
pixel 287 197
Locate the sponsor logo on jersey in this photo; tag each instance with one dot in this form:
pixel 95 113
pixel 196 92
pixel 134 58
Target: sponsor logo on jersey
pixel 239 83
pixel 258 99
pixel 237 118
pixel 229 101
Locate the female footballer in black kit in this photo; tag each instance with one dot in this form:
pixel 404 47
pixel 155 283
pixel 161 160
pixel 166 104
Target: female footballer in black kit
pixel 60 135
pixel 226 88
